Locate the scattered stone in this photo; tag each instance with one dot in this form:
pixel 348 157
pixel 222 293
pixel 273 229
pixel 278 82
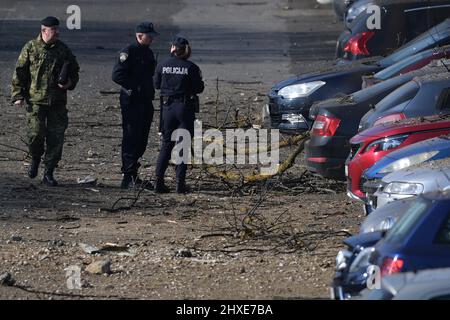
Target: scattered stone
pixel 16 238
pixel 243 270
pixel 88 248
pixel 6 279
pixel 184 253
pixel 87 180
pixel 99 267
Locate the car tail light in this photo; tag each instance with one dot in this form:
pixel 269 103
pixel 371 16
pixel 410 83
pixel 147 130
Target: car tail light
pixel 357 45
pixel 325 126
pixel 390 118
pixel 391 266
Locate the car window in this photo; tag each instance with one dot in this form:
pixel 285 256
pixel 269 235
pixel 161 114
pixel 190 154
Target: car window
pixel 408 221
pixel 443 236
pixel 396 68
pixel 445 104
pixel 402 94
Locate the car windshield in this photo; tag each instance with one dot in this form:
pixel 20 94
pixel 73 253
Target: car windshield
pixel 400 95
pixel 408 221
pixel 426 40
pixel 396 68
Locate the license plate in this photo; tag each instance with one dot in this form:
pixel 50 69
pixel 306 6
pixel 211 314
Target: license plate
pixel 346 170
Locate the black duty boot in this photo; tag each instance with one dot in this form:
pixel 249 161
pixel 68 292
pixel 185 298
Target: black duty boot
pixel 49 179
pixel 160 187
pixel 182 187
pixel 34 166
pixel 127 181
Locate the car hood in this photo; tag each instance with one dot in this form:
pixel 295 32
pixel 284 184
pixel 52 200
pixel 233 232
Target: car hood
pixel 393 209
pixel 403 126
pixel 336 70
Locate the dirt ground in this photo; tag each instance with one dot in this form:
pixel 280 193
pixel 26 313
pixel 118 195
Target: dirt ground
pixel 274 240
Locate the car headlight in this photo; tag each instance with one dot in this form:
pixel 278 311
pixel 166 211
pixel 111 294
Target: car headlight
pixel 387 223
pixel 362 260
pixel 341 259
pixel 300 90
pixel 409 161
pixel 387 143
pixel 403 188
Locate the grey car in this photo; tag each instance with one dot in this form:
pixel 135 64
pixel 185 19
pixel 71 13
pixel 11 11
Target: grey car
pixel 385 217
pixel 427 177
pixel 423 96
pixel 432 284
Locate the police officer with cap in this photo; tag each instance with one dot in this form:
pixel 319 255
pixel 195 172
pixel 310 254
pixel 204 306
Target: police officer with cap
pixel 179 80
pixel 134 72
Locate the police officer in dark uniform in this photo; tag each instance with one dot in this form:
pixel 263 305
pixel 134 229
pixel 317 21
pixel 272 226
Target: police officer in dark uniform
pixel 134 72
pixel 180 81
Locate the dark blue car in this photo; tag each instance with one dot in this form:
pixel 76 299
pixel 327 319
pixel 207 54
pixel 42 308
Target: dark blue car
pixel 419 240
pixel 427 150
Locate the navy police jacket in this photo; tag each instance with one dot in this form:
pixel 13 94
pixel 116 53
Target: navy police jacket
pixel 134 71
pixel 176 76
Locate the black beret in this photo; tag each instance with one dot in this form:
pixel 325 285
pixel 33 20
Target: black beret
pixel 146 27
pixel 179 42
pixel 50 22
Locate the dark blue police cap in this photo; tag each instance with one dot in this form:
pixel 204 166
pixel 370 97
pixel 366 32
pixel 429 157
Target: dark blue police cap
pixel 50 22
pixel 180 42
pixel 146 27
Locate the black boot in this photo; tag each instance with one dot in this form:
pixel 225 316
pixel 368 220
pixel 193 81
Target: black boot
pixel 49 179
pixel 182 187
pixel 127 181
pixel 34 166
pixel 160 187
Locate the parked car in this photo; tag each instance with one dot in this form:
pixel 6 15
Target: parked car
pixel 428 177
pixel 419 240
pixel 423 96
pixel 369 146
pixel 412 155
pixel 351 265
pixel 400 22
pixel 290 100
pixel 354 9
pixel 408 64
pixel 384 218
pixel 340 7
pixel 337 120
pixel 432 284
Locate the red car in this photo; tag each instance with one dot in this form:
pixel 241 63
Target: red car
pixel 370 145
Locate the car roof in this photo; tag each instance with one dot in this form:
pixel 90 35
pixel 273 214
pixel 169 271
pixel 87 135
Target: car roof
pixel 433 77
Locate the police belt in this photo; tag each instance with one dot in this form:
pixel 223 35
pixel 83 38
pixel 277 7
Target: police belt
pixel 166 100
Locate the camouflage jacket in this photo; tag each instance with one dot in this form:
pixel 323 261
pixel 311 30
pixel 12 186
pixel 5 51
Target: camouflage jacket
pixel 37 71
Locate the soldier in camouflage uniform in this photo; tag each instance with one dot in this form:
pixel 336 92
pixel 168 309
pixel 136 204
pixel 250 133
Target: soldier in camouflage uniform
pixel 37 80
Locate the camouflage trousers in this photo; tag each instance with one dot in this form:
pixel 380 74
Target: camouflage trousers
pixel 46 127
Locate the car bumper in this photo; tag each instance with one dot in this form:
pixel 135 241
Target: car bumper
pixel 289 114
pixel 326 156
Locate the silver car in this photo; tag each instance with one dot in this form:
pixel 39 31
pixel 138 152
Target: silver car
pixel 428 177
pixel 432 284
pixel 385 217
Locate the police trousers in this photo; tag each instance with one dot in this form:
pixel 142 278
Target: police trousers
pixel 46 128
pixel 176 115
pixel 137 118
